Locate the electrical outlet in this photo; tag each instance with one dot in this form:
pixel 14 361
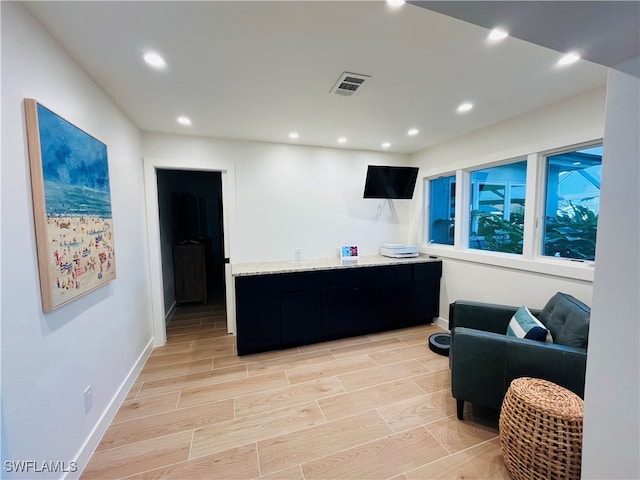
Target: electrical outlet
pixel 297 253
pixel 88 399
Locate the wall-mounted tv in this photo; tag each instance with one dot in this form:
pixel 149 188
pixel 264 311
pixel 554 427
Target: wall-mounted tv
pixel 390 182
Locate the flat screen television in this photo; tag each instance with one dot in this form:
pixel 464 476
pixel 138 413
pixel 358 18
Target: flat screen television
pixel 390 182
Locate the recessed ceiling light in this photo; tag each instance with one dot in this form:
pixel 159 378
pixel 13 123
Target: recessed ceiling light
pixel 184 120
pixel 569 58
pixel 497 34
pixel 395 3
pixel 413 131
pixel 293 135
pixel 465 107
pixel 342 140
pixel 154 59
pixel 386 145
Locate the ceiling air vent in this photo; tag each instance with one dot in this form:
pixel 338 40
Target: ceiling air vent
pixel 349 83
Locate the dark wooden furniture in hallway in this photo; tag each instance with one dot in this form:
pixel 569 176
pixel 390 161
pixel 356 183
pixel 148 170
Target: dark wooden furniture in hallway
pixel 190 273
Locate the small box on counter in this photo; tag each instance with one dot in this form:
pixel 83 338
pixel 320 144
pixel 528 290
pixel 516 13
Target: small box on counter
pixel 398 250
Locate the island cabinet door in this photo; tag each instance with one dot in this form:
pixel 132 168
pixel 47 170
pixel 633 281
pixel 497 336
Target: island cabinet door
pixel 301 318
pixel 366 300
pixel 300 305
pixel 339 303
pixel 425 297
pixel 258 313
pixel 394 297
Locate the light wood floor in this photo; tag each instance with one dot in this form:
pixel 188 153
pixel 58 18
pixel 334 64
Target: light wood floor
pixel 371 407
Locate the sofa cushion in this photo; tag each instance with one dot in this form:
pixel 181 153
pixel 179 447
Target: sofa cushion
pixel 524 325
pixel 567 318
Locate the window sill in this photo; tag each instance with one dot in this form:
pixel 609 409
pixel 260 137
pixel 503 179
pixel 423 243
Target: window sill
pixel 565 268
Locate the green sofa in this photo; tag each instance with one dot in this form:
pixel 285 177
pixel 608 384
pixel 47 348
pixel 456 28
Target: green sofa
pixel 484 360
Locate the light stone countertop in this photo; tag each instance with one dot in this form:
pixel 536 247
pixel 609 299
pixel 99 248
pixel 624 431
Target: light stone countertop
pixel 289 266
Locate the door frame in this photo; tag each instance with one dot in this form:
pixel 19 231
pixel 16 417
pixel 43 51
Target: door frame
pixel 156 297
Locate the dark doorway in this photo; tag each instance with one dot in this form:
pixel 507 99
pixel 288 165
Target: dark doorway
pixel 190 214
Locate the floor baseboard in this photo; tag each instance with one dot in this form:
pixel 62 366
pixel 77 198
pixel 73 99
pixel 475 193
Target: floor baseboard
pixel 92 441
pixel 169 314
pixel 442 323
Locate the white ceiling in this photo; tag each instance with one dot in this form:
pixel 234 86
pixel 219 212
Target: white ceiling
pixel 259 70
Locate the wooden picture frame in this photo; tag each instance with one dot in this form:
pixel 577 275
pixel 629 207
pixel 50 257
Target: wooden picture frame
pixel 71 207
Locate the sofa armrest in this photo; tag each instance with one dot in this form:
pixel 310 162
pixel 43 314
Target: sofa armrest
pixel 483 364
pixel 477 360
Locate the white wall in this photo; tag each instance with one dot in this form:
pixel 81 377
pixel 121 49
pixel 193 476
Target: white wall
pixel 487 283
pixel 612 391
pixel 496 279
pixel 49 359
pixel 290 196
pixel 562 123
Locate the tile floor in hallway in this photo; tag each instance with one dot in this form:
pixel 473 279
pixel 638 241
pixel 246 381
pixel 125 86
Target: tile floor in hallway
pixel 377 406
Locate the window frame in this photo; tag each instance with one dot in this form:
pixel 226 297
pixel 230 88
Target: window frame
pixel 470 200
pixel 426 231
pixel 542 205
pixel 532 258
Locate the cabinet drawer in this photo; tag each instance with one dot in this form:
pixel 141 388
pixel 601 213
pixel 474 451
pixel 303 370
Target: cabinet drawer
pixel 257 285
pixel 339 278
pixel 367 277
pixel 398 274
pixel 300 281
pixel 425 271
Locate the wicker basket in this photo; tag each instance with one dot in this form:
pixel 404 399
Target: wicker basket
pixel 541 430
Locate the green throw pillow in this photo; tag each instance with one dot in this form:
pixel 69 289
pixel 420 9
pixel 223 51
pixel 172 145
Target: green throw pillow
pixel 524 325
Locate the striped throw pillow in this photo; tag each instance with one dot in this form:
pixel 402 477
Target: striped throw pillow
pixel 524 325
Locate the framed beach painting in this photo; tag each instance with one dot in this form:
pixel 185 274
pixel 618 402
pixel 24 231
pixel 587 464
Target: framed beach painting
pixel 71 207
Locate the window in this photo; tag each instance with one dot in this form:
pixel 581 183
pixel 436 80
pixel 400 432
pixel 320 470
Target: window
pixel 497 208
pixel 572 203
pixel 442 209
pixel 561 189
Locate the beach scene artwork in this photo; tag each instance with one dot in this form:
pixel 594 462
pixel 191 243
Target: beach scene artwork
pixel 72 207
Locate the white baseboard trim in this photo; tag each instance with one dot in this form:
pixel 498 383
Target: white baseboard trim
pixel 92 441
pixel 442 323
pixel 169 314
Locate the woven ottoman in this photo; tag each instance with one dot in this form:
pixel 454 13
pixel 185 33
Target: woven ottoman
pixel 541 430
